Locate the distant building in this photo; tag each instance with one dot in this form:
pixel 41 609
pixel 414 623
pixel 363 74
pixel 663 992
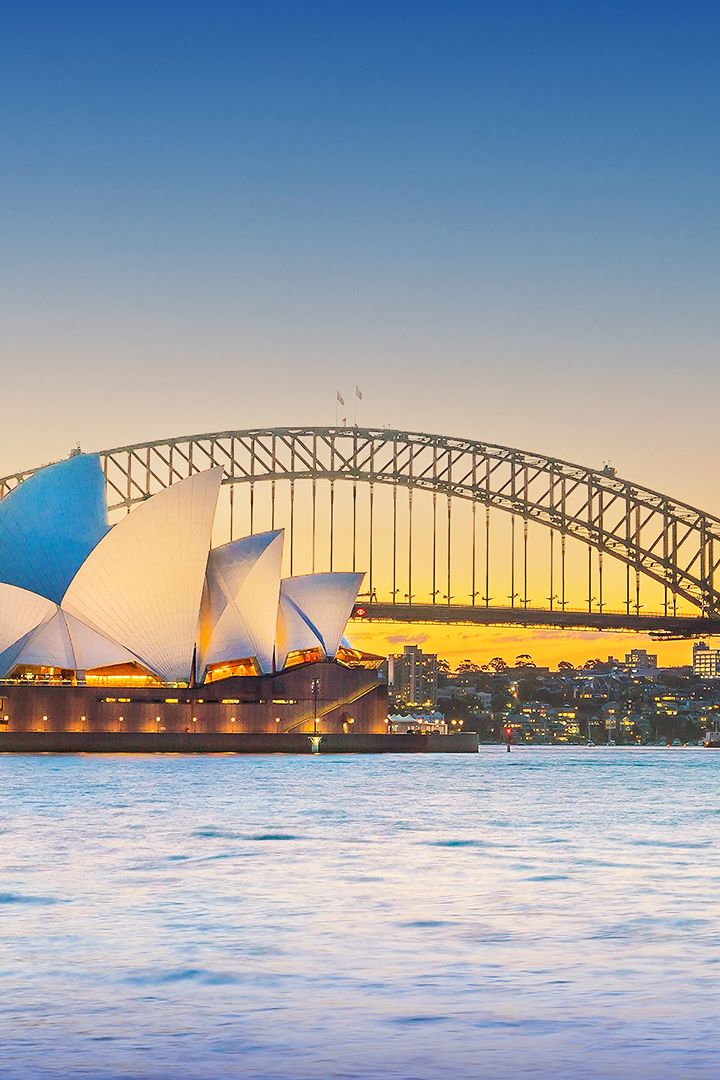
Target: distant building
pixel 639 660
pixel 413 678
pixel 706 661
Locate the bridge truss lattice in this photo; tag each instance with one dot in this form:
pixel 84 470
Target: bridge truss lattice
pixel 655 537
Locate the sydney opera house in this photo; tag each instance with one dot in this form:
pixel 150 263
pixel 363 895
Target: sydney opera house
pixel 145 630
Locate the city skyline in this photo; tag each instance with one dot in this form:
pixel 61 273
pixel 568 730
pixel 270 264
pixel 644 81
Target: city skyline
pixel 547 647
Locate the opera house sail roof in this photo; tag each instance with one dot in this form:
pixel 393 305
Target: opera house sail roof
pixel 79 595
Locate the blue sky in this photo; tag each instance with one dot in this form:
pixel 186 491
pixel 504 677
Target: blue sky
pixel 502 220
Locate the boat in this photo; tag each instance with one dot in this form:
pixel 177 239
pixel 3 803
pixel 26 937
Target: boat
pixel 712 740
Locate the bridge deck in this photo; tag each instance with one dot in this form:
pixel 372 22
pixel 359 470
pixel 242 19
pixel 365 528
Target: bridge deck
pixel 656 624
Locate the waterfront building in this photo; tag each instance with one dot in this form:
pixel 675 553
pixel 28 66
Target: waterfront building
pixel 567 722
pixel 531 720
pixel 420 723
pixel 413 678
pixel 706 661
pixel 144 627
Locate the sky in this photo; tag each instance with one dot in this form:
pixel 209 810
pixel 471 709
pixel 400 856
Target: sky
pixel 500 219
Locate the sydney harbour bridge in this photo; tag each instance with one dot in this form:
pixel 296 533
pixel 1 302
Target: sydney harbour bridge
pixel 451 530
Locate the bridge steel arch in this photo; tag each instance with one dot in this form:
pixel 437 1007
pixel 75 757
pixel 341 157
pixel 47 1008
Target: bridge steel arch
pixel 652 534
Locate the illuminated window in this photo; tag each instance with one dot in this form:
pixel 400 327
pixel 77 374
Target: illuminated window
pixel 231 668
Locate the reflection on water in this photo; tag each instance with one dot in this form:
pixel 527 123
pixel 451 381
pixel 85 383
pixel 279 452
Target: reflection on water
pixel 551 912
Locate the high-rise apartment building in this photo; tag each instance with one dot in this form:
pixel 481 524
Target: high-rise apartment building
pixel 412 677
pixel 640 660
pixel 706 661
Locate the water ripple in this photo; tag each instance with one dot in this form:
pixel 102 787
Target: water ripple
pixel 29 899
pixel 370 918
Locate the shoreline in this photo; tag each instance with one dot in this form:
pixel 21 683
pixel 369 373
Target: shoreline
pixel 169 742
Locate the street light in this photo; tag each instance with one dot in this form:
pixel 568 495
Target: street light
pixel 315 691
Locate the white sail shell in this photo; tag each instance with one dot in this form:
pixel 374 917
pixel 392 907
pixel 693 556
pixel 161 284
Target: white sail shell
pixel 314 610
pixel 21 613
pixel 142 585
pixel 50 524
pixel 240 601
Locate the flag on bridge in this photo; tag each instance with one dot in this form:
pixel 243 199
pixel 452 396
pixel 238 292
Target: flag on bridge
pixel 358 393
pixel 340 398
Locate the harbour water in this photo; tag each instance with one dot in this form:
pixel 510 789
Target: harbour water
pixel 550 912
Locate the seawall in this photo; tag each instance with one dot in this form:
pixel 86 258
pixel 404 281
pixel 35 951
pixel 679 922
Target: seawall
pixel 171 742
